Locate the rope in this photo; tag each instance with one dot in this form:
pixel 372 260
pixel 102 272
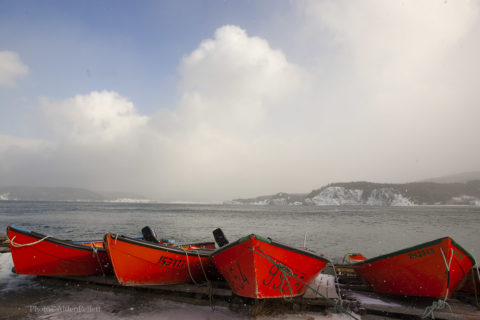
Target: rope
pixel 441 303
pixel 19 245
pixel 116 236
pixel 285 271
pixel 337 285
pixel 95 253
pixel 209 283
pixel 188 267
pixel 282 267
pixel 436 305
pixel 475 285
pixel 201 265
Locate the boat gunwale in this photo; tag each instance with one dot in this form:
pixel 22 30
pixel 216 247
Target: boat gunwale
pixel 412 248
pixel 51 239
pixel 204 253
pixel 271 242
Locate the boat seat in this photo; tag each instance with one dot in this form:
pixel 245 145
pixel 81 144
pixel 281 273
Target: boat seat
pixel 220 238
pixel 149 235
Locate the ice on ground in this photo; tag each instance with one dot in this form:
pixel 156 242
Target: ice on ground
pixel 325 285
pixel 367 300
pixel 10 281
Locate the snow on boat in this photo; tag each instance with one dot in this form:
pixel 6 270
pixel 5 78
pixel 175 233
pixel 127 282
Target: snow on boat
pixel 431 269
pixel 38 254
pixel 257 267
pixel 141 262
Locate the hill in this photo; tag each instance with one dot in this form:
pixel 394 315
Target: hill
pixel 378 194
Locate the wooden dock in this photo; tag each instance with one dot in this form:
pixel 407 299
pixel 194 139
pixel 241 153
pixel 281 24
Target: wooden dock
pixel 356 296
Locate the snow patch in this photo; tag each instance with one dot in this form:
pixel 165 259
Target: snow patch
pixel 465 200
pixel 10 281
pixel 387 197
pixel 336 196
pixel 5 196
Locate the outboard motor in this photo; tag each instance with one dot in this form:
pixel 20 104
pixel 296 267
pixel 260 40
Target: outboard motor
pixel 220 238
pixel 149 235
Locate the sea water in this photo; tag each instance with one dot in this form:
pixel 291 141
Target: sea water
pixel 333 231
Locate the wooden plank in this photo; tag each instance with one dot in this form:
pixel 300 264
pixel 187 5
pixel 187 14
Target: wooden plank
pixel 373 302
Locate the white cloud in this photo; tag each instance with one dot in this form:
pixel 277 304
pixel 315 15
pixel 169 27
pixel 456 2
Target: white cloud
pixel 98 117
pixel 237 79
pixel 11 68
pixel 389 100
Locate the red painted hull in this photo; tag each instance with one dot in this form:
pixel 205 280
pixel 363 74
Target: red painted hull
pixel 471 283
pixel 247 266
pixel 138 262
pixel 55 257
pixel 418 271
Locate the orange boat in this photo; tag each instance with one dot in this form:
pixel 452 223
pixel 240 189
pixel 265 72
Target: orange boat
pixel 139 262
pixel 257 267
pixel 432 269
pixel 37 254
pixel 471 283
pixel 353 257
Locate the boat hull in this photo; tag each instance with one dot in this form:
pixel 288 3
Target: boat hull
pixel 138 262
pixel 54 257
pixel 418 271
pixel 252 268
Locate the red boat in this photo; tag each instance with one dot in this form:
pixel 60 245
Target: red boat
pixel 141 262
pixel 353 257
pixel 37 254
pixel 432 269
pixel 257 267
pixel 471 283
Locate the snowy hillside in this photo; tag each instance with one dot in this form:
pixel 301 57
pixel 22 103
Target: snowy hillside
pixel 376 194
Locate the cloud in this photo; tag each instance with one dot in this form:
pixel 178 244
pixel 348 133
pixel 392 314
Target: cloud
pixel 231 86
pixel 11 68
pixel 400 77
pixel 98 117
pixel 236 78
pixel 392 97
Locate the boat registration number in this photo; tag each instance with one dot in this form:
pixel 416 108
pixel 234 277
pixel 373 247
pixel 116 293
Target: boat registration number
pixel 421 253
pixel 170 262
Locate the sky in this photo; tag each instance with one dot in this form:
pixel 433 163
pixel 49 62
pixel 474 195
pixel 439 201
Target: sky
pixel 215 100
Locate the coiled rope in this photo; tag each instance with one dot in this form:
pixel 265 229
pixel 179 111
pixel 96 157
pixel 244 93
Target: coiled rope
pixel 440 303
pixel 19 245
pixel 287 272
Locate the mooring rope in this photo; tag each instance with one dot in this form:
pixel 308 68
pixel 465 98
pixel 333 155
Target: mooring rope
pixel 337 285
pixel 441 303
pixel 188 267
pixel 19 245
pixel 291 274
pixel 95 253
pixel 209 285
pixel 285 271
pixel 475 285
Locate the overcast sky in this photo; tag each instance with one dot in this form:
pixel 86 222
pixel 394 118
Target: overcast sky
pixel 214 100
